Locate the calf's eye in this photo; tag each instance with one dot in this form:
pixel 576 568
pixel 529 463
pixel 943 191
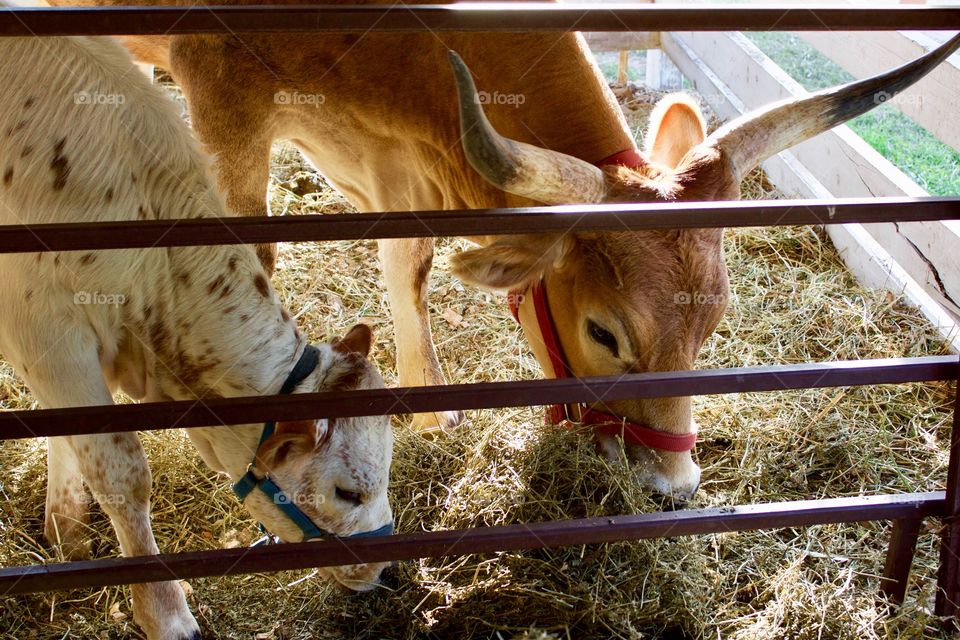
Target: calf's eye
pixel 349 496
pixel 603 337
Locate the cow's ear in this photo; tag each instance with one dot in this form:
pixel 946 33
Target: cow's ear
pixel 512 262
pixel 676 126
pixel 291 439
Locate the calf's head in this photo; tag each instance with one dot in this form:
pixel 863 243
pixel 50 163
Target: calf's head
pixel 335 471
pixel 642 301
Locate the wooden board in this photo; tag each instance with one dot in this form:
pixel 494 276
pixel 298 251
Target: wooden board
pixel 744 78
pixel 931 103
pixel 618 41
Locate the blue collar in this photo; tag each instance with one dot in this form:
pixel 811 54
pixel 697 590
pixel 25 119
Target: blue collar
pixel 245 485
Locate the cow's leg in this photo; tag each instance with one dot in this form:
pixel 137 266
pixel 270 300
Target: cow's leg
pixel 232 124
pixel 66 514
pixel 406 267
pixel 244 176
pixel 62 369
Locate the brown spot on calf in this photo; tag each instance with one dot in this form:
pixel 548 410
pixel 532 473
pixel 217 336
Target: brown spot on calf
pixel 260 282
pixel 59 166
pixel 8 177
pixel 216 284
pixel 87 258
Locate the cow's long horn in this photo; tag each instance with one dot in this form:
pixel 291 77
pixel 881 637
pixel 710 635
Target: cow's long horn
pixel 516 167
pixel 756 136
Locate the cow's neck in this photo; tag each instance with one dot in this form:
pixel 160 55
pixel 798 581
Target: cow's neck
pixel 567 105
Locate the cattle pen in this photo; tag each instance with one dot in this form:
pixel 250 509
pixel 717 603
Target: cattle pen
pixel 880 255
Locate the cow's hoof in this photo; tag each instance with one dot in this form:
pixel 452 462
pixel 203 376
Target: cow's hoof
pixel 432 425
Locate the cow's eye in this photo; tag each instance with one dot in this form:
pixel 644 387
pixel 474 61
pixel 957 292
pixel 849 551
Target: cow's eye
pixel 602 336
pixel 349 496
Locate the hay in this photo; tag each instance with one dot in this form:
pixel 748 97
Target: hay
pixel 793 301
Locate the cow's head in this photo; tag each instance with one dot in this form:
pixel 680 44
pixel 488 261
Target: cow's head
pixel 642 301
pixel 334 470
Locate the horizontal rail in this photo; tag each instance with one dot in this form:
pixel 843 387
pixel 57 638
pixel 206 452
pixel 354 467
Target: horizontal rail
pixel 515 17
pixel 487 395
pixel 606 217
pixel 458 542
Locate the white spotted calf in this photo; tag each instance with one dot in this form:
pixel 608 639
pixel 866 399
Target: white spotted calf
pixel 85 138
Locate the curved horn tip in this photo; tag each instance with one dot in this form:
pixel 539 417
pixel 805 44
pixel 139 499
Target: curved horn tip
pixel 459 66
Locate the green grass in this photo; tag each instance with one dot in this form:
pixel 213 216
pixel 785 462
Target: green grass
pixel 636 67
pixel 930 163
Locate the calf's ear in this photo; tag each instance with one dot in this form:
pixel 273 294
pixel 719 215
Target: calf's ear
pixel 291 439
pixel 358 340
pixel 512 262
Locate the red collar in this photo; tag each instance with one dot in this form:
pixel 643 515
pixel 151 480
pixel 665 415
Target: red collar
pixel 603 423
pixel 629 158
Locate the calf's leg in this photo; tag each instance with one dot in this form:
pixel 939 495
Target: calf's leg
pixel 60 364
pixel 66 516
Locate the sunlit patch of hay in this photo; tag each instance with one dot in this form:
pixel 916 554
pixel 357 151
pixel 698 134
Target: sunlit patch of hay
pixel 792 301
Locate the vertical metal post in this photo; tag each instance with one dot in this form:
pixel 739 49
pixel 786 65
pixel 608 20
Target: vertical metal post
pixel 903 544
pixel 948 577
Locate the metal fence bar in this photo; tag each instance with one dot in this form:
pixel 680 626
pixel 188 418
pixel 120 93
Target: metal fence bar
pixel 619 217
pixel 487 17
pixel 302 406
pixel 196 564
pixel 948 577
pixel 900 552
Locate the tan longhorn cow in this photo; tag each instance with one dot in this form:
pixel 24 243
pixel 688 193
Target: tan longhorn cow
pixel 376 114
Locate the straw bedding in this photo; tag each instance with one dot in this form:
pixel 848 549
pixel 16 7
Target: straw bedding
pixel 792 301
